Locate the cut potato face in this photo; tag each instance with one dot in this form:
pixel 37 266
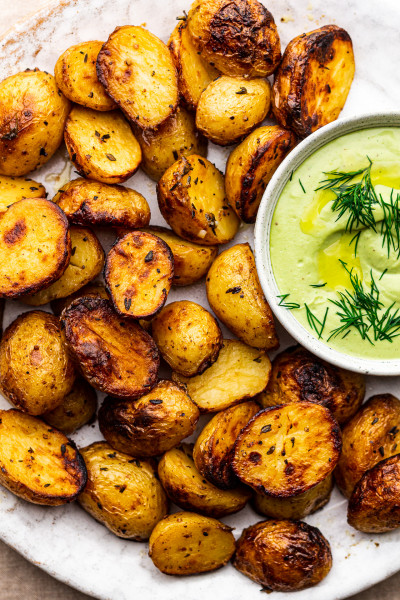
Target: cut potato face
pixel 77 408
pixel 137 71
pixel 101 145
pixel 93 290
pixel 13 189
pixel 313 79
pixel 191 197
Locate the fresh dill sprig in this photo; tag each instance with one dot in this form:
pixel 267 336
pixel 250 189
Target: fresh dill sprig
pixel 288 305
pixel 318 285
pixel 302 186
pixel 313 321
pixel 383 273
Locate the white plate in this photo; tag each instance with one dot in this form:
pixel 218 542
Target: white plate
pixel 65 541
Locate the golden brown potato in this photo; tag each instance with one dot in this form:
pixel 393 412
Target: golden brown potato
pixel 191 197
pixel 36 371
pixel 240 372
pixel 2 305
pixel 187 488
pixel 185 543
pixel 93 290
pixel 299 375
pixel 88 202
pixel 251 165
pixel 137 71
pixel 117 357
pixel 213 449
pixel 235 295
pixel 13 189
pixel 283 556
pixel 230 107
pixel 76 76
pixel 122 493
pixel 187 336
pixel 37 463
pixel 35 247
pixel 238 38
pixel 32 119
pixel 371 435
pixel 78 408
pixel 151 425
pixel 101 145
pixel 138 273
pixel 313 80
pixel 286 450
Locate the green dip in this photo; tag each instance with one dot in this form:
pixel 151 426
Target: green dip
pixel 307 241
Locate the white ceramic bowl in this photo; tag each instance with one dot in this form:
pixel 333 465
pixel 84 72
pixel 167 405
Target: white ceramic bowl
pixel 262 238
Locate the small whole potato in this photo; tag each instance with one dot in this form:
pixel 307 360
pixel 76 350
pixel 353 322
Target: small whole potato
pixel 78 408
pixel 13 189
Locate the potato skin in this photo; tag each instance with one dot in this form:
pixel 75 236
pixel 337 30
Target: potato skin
pixel 122 493
pixel 283 556
pixel 32 118
pixel 93 290
pixel 235 295
pixel 186 543
pixel 13 189
pixel 78 408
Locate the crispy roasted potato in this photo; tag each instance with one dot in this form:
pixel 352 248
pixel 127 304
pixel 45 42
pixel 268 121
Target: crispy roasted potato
pixel 230 107
pixel 186 543
pixel 77 408
pixel 116 356
pixel 138 273
pixel 187 488
pixel 36 371
pixel 313 80
pixel 287 450
pixel 2 305
pixel 299 375
pixel 32 119
pixel 191 197
pixel 76 76
pixel 122 493
pixel 187 336
pixel 151 425
pixel 238 38
pixel 371 435
pixel 13 189
pixel 92 290
pixel 239 373
pixel 235 295
pixel 137 71
pixel 251 165
pixel 283 556
pixel 213 449
pixel 101 145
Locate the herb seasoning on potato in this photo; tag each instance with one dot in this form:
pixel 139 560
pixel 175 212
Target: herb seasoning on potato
pixel 13 189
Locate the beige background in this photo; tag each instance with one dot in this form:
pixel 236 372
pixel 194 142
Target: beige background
pixel 19 580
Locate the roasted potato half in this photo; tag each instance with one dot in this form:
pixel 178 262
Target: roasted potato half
pixel 186 543
pixel 101 145
pixel 13 189
pixel 235 295
pixel 191 197
pixel 283 556
pixel 36 371
pixel 77 408
pixel 251 165
pixel 122 493
pixel 116 356
pixel 37 463
pixel 93 290
pixel 313 80
pixel 32 119
pixel 187 336
pixel 137 71
pixel 187 488
pixel 239 373
pixel 299 375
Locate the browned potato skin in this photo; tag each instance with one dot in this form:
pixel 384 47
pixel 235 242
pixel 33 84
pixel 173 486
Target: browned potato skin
pixel 251 165
pixel 186 543
pixel 187 336
pixel 235 295
pixel 238 38
pixel 122 493
pixel 151 425
pixel 36 371
pixel 283 556
pixel 78 408
pixel 213 449
pixel 93 290
pixel 2 305
pixel 372 434
pixel 37 463
pixel 313 80
pixel 32 118
pixel 13 189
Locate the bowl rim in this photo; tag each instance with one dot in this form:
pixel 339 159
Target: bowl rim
pixel 307 147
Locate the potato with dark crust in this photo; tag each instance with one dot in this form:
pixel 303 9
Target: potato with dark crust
pixel 77 408
pixel 313 80
pixel 115 355
pixel 13 189
pixel 122 493
pixel 93 290
pixel 283 556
